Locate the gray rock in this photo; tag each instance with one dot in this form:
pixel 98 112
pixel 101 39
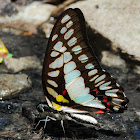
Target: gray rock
pixel 11 85
pixel 29 17
pixel 47 28
pixel 15 65
pixel 112 60
pixel 137 69
pixel 3 3
pixel 3 68
pixel 138 114
pixel 116 20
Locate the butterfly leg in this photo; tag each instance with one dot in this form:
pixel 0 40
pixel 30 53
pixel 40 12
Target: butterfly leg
pixel 62 124
pixel 48 118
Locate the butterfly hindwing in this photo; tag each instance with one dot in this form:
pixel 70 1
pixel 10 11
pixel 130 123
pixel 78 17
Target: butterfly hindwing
pixel 72 76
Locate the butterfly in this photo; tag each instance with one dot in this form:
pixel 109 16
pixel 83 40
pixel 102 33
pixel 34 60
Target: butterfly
pixel 74 83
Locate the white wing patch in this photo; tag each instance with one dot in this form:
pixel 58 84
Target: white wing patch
pixel 84 98
pixel 67 57
pixel 52 92
pixel 85 118
pixel 54 73
pixel 63 30
pixel 65 19
pixel 111 92
pixel 100 78
pixel 83 58
pixel 71 110
pixel 54 54
pixel 72 41
pixel 69 67
pixel 76 48
pixel 69 24
pixel 92 72
pixel 84 92
pixel 54 37
pixel 95 103
pixel 63 49
pixel 58 46
pixel 72 76
pixel 75 87
pixel 53 83
pixel 99 83
pixel 92 79
pixel 58 63
pixel 89 66
pixel 105 86
pixel 69 34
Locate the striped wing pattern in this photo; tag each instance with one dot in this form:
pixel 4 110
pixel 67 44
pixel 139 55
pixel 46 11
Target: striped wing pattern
pixel 73 80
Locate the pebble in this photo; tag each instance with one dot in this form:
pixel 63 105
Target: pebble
pixel 112 60
pixel 11 85
pixel 28 18
pixel 15 65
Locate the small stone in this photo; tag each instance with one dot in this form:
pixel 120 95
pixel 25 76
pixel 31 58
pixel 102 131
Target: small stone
pixel 138 113
pixel 112 60
pixel 28 17
pixel 11 85
pixel 15 65
pixel 3 68
pixel 137 69
pixel 3 3
pixel 29 111
pixel 47 28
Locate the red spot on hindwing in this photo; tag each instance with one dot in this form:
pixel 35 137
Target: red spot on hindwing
pixel 105 99
pixel 100 111
pixel 95 89
pixel 108 105
pixel 64 92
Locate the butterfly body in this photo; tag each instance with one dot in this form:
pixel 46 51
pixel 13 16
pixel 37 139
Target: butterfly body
pixel 74 83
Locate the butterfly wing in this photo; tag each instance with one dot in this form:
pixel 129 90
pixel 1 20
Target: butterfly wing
pixel 73 80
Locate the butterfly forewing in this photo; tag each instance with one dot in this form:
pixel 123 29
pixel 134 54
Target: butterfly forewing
pixel 72 76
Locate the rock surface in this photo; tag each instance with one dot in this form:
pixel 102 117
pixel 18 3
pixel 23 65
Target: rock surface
pixel 15 65
pixel 116 20
pixel 11 85
pixel 6 7
pixel 47 29
pixel 112 60
pixel 28 18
